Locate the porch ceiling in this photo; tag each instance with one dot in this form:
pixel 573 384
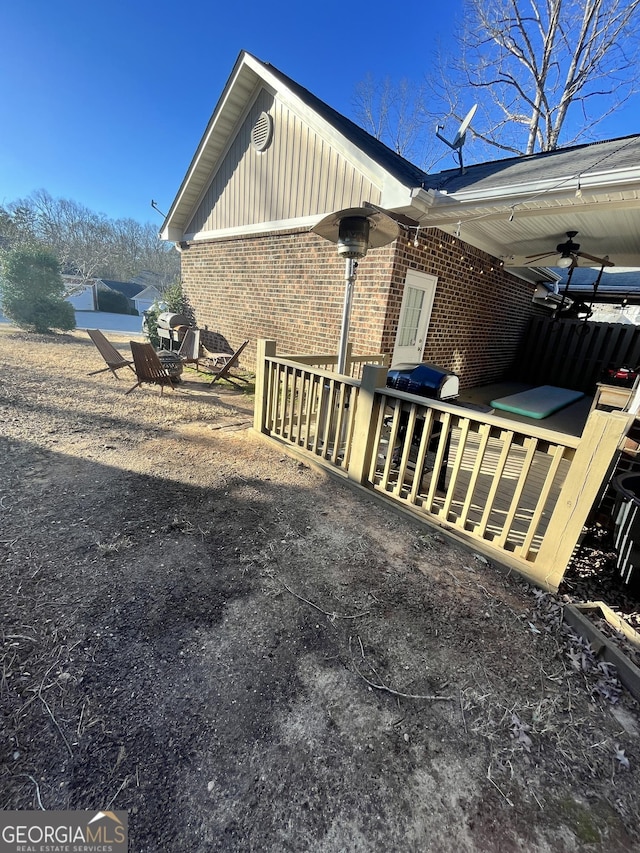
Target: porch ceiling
pixel 521 209
pixel 604 228
pixel 519 233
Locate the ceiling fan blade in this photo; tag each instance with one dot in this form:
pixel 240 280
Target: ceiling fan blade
pixel 603 262
pixel 538 257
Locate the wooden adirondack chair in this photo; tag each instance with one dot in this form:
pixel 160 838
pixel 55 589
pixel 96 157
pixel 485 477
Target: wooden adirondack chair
pixel 222 364
pixel 148 367
pixel 114 359
pixel 190 350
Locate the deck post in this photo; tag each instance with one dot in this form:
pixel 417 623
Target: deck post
pixel 364 433
pixel 265 349
pixel 592 464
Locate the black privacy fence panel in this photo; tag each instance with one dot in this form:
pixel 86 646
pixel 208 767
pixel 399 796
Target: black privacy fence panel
pixel 575 354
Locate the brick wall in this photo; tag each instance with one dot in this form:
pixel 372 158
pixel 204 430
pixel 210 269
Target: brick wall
pixel 480 311
pixel 290 287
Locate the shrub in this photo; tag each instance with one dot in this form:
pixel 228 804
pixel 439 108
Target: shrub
pixel 150 324
pixel 173 300
pixel 33 291
pixel 113 301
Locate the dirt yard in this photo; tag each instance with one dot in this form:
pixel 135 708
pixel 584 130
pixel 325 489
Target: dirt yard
pixel 246 655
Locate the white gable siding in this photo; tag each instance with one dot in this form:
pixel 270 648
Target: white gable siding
pixel 80 293
pixel 84 300
pixel 143 303
pixel 300 174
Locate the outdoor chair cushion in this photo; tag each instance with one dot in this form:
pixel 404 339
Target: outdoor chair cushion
pixel 537 402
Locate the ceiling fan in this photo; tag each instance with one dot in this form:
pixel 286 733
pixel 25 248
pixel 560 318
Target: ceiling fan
pixel 570 252
pixel 578 308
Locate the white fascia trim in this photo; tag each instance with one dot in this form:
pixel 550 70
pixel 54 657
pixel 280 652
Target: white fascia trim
pixel 561 186
pixel 257 228
pixel 423 200
pixel 171 233
pixel 203 145
pixel 396 196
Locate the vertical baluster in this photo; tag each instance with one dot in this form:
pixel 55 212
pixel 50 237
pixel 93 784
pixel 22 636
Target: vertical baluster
pixel 531 445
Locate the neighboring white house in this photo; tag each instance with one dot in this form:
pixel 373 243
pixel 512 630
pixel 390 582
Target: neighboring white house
pixel 146 298
pixel 83 293
pixel 140 296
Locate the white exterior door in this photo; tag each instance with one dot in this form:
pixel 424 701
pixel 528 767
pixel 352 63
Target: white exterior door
pixel 415 313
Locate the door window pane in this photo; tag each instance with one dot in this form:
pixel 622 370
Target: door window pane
pixel 414 297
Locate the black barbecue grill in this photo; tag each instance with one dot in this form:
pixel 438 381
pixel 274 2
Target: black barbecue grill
pixel 425 380
pixel 171 329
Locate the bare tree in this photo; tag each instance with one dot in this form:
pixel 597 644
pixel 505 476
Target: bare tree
pixel 17 226
pixel 86 244
pixel 393 113
pixel 76 235
pixel 539 59
pixel 536 67
pixel 135 248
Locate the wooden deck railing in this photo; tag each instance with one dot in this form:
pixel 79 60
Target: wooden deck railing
pixel 354 363
pixel 520 494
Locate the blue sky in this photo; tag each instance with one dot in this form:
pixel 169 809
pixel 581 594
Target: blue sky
pixel 105 102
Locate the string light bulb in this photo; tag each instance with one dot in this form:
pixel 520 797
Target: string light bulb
pixel 578 189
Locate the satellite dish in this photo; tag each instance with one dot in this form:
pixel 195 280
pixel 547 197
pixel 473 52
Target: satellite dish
pixel 459 138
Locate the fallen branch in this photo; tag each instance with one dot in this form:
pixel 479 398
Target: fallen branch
pixel 49 711
pixel 320 609
pixel 464 722
pixel 123 785
pixel 55 722
pixel 398 693
pixel 449 572
pixel 497 787
pixel 20 637
pixel 28 776
pixel 537 800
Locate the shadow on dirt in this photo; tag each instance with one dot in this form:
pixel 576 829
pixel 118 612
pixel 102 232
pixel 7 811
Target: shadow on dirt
pixel 231 662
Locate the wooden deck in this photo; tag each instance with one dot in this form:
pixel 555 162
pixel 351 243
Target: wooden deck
pixel 570 420
pixel 497 484
pixel 518 489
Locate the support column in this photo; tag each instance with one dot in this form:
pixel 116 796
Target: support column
pixel 265 349
pixel 364 434
pixel 593 462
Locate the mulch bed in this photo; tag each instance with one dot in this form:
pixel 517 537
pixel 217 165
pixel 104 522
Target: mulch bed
pixel 594 576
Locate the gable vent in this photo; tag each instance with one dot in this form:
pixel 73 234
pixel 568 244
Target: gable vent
pixel 262 132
